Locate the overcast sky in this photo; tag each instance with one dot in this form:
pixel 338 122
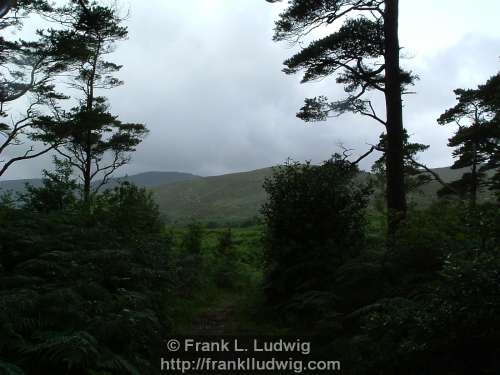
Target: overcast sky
pixel 205 77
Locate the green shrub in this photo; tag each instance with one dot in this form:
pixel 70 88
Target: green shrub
pixel 450 327
pixel 127 210
pixel 314 223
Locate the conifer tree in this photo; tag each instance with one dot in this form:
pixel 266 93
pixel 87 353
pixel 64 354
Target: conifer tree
pixel 477 139
pixel 97 143
pixel 364 55
pixel 27 70
pixel 415 176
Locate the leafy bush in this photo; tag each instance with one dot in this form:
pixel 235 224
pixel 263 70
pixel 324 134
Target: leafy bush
pixel 315 222
pixel 438 312
pixel 450 327
pixel 57 193
pixel 128 210
pixel 189 265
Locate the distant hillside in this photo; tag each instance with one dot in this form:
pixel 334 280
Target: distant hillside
pixel 148 180
pixel 428 192
pixel 17 186
pixel 238 197
pixel 227 198
pixel 152 179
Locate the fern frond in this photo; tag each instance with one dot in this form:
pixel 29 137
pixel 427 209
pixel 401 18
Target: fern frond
pixel 10 369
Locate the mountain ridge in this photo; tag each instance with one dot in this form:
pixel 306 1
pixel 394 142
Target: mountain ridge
pixel 145 179
pixel 227 198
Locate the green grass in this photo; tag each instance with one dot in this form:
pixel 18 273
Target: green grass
pixel 244 296
pixel 222 199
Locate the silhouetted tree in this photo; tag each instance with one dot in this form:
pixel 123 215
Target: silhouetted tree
pixel 477 139
pixel 415 176
pixel 364 55
pixel 27 69
pixel 97 143
pixel 490 94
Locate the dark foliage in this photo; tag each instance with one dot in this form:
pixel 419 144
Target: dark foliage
pixel 56 194
pixel 363 54
pixel 80 292
pixel 227 269
pixel 449 327
pixel 314 224
pixel 189 265
pixel 414 175
pixel 477 140
pixel 427 305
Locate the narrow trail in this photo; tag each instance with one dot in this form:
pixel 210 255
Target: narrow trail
pixel 215 321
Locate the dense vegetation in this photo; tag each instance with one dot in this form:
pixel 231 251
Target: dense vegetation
pixel 82 292
pixel 427 305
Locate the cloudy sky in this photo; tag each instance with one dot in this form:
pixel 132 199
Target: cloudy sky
pixel 205 77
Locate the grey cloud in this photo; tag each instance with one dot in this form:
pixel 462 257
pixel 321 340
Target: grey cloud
pixel 207 81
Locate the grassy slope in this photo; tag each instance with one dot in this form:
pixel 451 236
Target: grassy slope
pixel 238 197
pixel 228 198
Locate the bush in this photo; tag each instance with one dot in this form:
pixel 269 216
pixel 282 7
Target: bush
pixel 314 223
pixel 450 327
pixel 57 193
pixel 128 210
pixel 439 314
pixel 189 265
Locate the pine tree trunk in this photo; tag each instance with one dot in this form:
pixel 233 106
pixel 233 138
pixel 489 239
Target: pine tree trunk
pixel 396 195
pixel 474 177
pixel 87 177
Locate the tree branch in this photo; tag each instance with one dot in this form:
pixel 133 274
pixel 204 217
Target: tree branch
pixel 434 174
pixel 26 156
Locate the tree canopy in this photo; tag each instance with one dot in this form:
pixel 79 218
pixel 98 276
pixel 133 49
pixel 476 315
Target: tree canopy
pixel 477 138
pixel 363 55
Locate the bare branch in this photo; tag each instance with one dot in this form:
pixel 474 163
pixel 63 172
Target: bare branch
pixel 26 156
pixel 366 154
pixel 434 174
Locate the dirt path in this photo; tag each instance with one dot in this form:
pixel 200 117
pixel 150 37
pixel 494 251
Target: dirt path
pixel 215 321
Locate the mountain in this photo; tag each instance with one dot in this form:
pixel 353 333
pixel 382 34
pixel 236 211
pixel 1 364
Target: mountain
pixel 232 197
pixel 237 197
pixel 152 179
pixel 229 198
pixel 147 180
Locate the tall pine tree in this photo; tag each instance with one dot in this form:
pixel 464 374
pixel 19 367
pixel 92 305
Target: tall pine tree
pixel 27 70
pixel 477 139
pixel 364 55
pixel 97 143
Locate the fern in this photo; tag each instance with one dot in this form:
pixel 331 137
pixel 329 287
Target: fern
pixel 77 298
pixel 118 364
pixel 10 369
pixel 71 350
